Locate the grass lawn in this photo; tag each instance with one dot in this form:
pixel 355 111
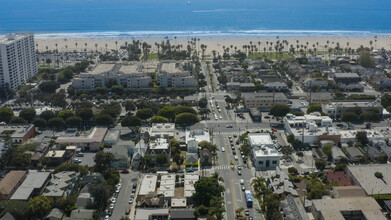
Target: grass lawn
pixel 153 56
pixel 271 55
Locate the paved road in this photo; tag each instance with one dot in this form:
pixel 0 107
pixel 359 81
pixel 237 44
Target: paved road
pixel 122 202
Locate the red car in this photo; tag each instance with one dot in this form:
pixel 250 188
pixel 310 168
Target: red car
pixel 124 171
pixel 274 129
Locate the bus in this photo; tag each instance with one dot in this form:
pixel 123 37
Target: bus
pixel 249 198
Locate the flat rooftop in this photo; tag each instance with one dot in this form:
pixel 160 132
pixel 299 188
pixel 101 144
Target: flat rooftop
pixel 365 176
pixel 102 68
pixel 331 208
pixel 97 135
pixel 34 180
pixel 259 139
pixel 15 131
pixel 264 96
pixel 167 185
pixel 190 180
pixel 170 67
pixel 346 75
pixel 8 39
pixel 148 184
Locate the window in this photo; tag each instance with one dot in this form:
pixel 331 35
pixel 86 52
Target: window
pixel 274 162
pixel 260 162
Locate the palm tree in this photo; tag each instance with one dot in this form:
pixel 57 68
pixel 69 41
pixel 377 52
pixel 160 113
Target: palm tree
pixel 66 48
pixel 96 48
pixel 76 46
pixel 205 111
pixel 116 43
pixel 106 47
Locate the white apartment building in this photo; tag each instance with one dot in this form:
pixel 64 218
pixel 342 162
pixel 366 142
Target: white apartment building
pixel 18 61
pixel 131 76
pixel 265 156
pixel 263 100
pixel 173 75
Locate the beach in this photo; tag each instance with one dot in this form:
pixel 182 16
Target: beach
pixel 216 43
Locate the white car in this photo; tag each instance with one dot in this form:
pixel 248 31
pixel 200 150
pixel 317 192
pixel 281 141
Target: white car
pixel 221 117
pixel 222 149
pixel 112 206
pixel 107 217
pixel 236 158
pixel 117 190
pixel 241 182
pixel 113 200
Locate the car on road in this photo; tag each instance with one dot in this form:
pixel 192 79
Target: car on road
pixel 221 117
pixel 243 188
pixel 236 158
pixel 239 172
pixel 127 211
pixel 107 217
pixel 117 190
pixel 250 218
pixel 247 212
pixel 112 206
pixel 125 171
pixel 239 167
pixel 232 144
pixel 110 212
pixel 130 200
pixel 132 195
pixel 76 161
pixel 113 200
pixel 267 117
pixel 241 182
pixel 229 126
pixel 233 151
pixel 222 149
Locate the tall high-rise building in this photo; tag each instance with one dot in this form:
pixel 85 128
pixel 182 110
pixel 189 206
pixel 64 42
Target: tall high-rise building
pixel 18 60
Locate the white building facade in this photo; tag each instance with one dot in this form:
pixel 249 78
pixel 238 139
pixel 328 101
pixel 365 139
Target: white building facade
pixel 18 61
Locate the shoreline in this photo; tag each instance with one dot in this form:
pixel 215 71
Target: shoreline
pixel 216 42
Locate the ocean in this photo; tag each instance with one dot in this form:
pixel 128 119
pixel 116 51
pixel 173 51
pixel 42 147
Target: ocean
pixel 124 18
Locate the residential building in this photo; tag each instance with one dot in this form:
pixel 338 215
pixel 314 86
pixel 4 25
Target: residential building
pixel 167 186
pixel 348 191
pixel 258 140
pixel 85 198
pixel 7 216
pixel 263 100
pixel 192 146
pixel 174 75
pixel 121 156
pixel 338 177
pixel 348 82
pixel 54 214
pixel 139 152
pixel 162 130
pixel 62 184
pixel 205 157
pixel 91 142
pixel 354 154
pixel 346 208
pixel 10 183
pixel 293 208
pixel 279 182
pixel 190 180
pixel 276 86
pixel 156 213
pixel 337 154
pixel 311 128
pixel 197 132
pixel 18 61
pixel 159 146
pixel 319 97
pixel 18 132
pixel 242 87
pixel 33 185
pixel 111 137
pixel 311 83
pixel 191 158
pixel 182 214
pixel 148 185
pixel 350 135
pixel 336 109
pixel 364 176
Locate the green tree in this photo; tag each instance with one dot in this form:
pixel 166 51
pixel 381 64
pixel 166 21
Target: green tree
pixel 286 150
pixel 159 119
pixel 175 146
pixel 67 204
pixel 205 190
pixel 293 171
pixel 28 114
pixel 327 149
pixel 101 90
pixel 21 160
pixel 73 122
pixel 379 175
pixel 117 89
pixel 271 205
pixel 104 119
pixel 85 113
pixel 184 109
pixel 161 159
pixel 279 110
pixel 320 164
pixel 56 122
pixel 186 119
pixel 315 190
pixel 100 192
pixel 18 120
pixel 203 103
pixel 356 110
pixel 18 209
pixel 362 137
pixel 131 121
pixel 49 86
pixel 370 116
pixel 83 170
pixel 6 114
pixel 246 149
pixel 48 114
pixel 314 108
pixel 66 114
pixel 366 60
pixel 144 113
pixel 103 160
pixel 349 117
pixel 290 138
pixel 40 206
pixel 386 100
pixel 167 112
pixel 40 123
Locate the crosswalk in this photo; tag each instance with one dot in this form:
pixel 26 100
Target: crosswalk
pixel 223 167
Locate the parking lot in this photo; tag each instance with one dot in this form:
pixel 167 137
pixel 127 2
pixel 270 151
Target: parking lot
pixel 87 159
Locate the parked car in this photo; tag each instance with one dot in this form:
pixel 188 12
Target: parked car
pixel 247 212
pixel 239 172
pixel 130 200
pixel 124 171
pixel 127 212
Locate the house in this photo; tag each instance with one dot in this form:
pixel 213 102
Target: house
pixel 258 140
pixel 167 186
pixel 8 216
pixel 348 82
pixel 121 155
pixel 337 154
pixel 112 137
pixel 139 152
pixel 354 154
pixel 33 185
pixel 54 214
pixel 347 208
pixel 148 185
pixel 17 132
pixel 338 177
pixel 62 185
pixel 197 132
pixel 159 146
pixel 150 201
pixel 319 97
pixel 276 86
pixel 373 153
pixel 206 157
pixel 319 83
pixel 293 208
pixel 10 183
pixel 182 214
pixel 192 146
pixel 84 199
pixel 191 158
pixel 82 214
pixel 90 142
pixel 54 158
pixel 279 182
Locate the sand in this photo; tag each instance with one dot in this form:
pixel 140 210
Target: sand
pixel 215 42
